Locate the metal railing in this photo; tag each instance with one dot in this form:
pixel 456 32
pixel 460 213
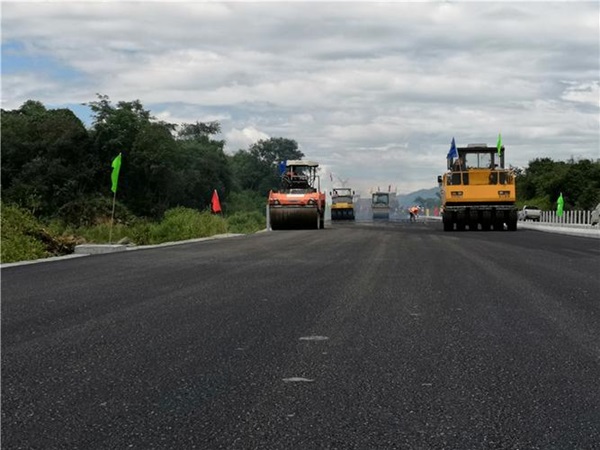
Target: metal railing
pixel 569 218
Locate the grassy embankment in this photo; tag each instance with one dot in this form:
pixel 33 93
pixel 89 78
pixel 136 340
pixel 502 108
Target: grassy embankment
pixel 25 238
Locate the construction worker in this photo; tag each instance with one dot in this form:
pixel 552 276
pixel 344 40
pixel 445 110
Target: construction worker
pixel 414 212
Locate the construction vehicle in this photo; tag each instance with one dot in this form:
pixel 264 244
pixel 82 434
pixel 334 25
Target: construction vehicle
pixel 380 205
pixel 342 204
pixel 298 203
pixel 477 191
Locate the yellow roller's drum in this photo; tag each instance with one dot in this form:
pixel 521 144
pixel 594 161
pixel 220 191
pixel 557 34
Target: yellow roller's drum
pixel 380 205
pixel 342 203
pixel 478 192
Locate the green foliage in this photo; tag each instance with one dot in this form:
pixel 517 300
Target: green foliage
pixel 543 181
pixel 178 224
pixel 249 172
pixel 273 150
pixel 114 129
pixel 59 172
pixel 204 167
pixel 24 238
pixel 148 184
pixel 184 223
pixel 100 233
pixel 256 169
pixel 161 169
pixel 543 203
pixel 55 168
pixel 246 222
pixel 140 233
pixel 18 241
pixel 85 211
pixel 45 155
pixel 246 201
pixel 198 130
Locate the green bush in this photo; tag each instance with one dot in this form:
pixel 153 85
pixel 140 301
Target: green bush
pixel 89 211
pixel 101 234
pixel 18 235
pixel 246 201
pixel 25 238
pixel 140 232
pixel 541 202
pixel 184 223
pixel 248 222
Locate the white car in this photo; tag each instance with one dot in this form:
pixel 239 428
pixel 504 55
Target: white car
pixel 530 212
pixel 596 215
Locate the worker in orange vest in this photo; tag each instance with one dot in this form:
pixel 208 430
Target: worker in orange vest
pixel 414 212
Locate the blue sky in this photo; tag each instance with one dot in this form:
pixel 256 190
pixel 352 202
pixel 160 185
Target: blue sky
pixel 17 59
pixel 372 91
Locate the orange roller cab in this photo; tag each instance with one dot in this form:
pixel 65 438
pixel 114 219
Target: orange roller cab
pixel 299 203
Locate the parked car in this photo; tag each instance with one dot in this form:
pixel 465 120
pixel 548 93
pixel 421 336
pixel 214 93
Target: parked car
pixel 530 212
pixel 596 215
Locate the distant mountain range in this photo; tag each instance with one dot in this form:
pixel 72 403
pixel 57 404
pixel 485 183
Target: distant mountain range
pixel 409 199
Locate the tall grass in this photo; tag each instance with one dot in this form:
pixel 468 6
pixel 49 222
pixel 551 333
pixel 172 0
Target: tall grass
pixel 25 238
pixel 18 235
pixel 178 224
pixel 246 222
pixel 182 223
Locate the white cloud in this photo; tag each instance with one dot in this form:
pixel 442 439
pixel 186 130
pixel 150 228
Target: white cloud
pixel 242 139
pixel 373 91
pixel 583 93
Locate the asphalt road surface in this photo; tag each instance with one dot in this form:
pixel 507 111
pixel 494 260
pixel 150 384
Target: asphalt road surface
pixel 359 336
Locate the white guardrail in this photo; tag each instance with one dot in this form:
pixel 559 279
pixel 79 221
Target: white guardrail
pixel 582 218
pixel 569 218
pixel 574 223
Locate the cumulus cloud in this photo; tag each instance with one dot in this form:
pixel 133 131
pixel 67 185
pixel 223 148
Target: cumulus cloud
pixel 242 139
pixel 583 93
pixel 373 91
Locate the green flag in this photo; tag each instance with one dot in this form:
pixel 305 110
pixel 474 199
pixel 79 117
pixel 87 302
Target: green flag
pixel 560 203
pixel 499 144
pixel 116 165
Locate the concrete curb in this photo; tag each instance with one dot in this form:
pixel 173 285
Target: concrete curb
pixel 97 249
pixel 571 230
pixel 189 241
pixel 558 229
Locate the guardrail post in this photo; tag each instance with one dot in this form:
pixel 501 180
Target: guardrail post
pixel 268 219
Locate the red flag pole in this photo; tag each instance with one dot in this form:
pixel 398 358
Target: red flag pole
pixel 215 204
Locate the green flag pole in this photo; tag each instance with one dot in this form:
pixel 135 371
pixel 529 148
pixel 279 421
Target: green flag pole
pixel 560 204
pixel 116 165
pixel 112 218
pixel 499 145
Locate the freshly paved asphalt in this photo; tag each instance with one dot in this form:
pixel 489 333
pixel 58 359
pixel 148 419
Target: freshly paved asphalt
pixel 359 336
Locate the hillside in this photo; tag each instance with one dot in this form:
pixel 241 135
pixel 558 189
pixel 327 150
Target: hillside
pixel 409 199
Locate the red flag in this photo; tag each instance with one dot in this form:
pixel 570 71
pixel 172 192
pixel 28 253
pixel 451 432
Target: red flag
pixel 215 204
